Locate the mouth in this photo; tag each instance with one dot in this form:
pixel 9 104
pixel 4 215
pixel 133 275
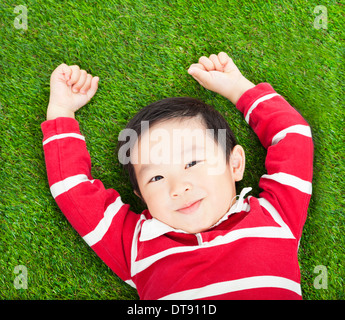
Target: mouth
pixel 190 207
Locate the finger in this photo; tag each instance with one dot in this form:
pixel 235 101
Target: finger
pixel 87 84
pixel 223 58
pixel 80 82
pixel 93 89
pixel 216 62
pixel 74 76
pixel 227 62
pixel 207 63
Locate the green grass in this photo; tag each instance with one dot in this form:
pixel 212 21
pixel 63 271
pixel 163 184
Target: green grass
pixel 141 51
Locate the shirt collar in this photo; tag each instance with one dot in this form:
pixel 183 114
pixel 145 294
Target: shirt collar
pixel 153 228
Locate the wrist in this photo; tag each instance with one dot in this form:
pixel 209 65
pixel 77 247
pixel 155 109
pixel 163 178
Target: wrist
pixel 242 85
pixel 55 111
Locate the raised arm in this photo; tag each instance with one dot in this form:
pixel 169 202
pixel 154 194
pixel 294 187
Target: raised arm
pixel 281 130
pixel 97 213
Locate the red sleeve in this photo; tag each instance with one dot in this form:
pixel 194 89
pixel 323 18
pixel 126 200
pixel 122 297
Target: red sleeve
pixel 289 161
pixel 98 214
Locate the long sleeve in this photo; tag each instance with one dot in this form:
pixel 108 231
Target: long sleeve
pixel 289 161
pixel 98 214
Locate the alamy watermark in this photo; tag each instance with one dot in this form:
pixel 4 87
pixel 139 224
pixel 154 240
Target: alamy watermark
pixel 321 280
pixel 21 277
pixel 321 20
pixel 176 147
pixel 21 21
pixel 21 280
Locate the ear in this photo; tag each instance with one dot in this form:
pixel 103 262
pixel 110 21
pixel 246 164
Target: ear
pixel 139 196
pixel 237 162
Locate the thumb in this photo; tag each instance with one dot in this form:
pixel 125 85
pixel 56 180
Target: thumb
pixel 62 72
pixel 93 89
pixel 66 71
pixel 202 76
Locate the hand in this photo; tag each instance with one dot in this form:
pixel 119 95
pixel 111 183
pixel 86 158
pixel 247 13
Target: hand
pixel 219 73
pixel 70 89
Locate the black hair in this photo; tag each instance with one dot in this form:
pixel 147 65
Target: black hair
pixel 174 108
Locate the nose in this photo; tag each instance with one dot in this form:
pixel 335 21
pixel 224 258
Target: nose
pixel 178 188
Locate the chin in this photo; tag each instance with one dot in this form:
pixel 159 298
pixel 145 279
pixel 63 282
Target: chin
pixel 196 229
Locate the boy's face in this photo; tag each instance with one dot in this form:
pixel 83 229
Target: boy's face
pixel 183 176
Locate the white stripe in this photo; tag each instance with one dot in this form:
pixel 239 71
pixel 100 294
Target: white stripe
pixel 134 249
pixel 258 232
pixel 300 129
pixel 236 285
pixel 102 227
pixel 285 231
pixel 64 135
pixel 281 232
pixel 140 265
pixel 290 180
pixel 131 283
pixel 255 104
pixel 64 185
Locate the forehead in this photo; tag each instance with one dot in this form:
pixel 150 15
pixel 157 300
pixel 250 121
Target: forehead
pixel 170 138
pixel 172 130
pixel 180 123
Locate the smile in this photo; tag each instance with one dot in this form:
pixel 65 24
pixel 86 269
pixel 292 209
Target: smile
pixel 190 208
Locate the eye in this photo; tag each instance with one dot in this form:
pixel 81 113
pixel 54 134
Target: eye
pixel 191 164
pixel 156 178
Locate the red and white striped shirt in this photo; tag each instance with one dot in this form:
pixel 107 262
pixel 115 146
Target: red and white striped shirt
pixel 251 253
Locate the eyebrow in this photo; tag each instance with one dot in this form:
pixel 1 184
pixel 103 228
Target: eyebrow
pixel 147 166
pixel 144 167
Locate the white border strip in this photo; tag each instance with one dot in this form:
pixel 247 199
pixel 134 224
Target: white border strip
pixel 236 285
pixel 255 104
pixel 64 135
pixel 103 225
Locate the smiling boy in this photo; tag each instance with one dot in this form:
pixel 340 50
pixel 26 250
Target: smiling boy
pixel 195 240
pixel 180 171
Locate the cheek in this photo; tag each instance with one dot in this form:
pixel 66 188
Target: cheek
pixel 220 184
pixel 154 200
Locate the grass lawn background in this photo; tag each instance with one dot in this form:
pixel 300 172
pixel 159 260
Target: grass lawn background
pixel 141 51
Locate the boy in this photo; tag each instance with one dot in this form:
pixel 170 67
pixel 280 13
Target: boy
pixel 195 240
